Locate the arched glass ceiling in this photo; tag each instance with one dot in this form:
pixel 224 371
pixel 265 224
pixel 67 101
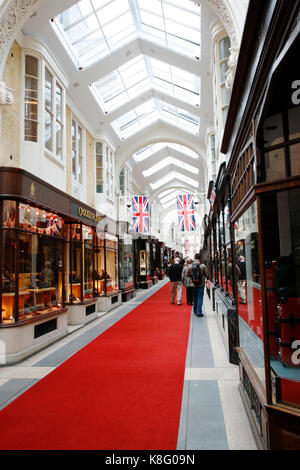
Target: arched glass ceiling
pixel 169 161
pixel 173 175
pixel 92 29
pixel 142 73
pixel 171 198
pixel 149 112
pixel 150 150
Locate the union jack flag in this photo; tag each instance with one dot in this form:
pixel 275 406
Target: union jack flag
pixel 186 213
pixel 140 214
pixel 227 219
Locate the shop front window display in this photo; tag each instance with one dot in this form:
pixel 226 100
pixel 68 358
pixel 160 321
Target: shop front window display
pixel 73 263
pixel 111 274
pixel 126 262
pixel 31 262
pixel 282 277
pixel 88 282
pixel 99 265
pixel 249 295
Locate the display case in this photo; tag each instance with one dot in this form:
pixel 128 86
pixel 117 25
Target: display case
pixel 99 265
pixel 142 263
pixel 111 273
pixel 126 262
pixel 31 262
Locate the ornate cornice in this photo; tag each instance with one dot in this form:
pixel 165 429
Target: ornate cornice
pixel 220 7
pixel 11 18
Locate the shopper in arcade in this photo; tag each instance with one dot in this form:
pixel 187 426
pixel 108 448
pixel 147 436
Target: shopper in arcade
pixel 175 273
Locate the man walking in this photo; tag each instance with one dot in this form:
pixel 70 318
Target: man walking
pixel 198 273
pixel 174 274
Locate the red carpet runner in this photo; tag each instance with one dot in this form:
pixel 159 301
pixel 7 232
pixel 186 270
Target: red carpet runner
pixel 122 391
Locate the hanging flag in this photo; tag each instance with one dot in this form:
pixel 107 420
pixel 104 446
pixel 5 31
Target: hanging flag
pixel 140 214
pixel 212 198
pixel 186 213
pixel 227 219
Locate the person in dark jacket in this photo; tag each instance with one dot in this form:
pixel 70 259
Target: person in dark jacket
pixel 175 272
pixel 198 290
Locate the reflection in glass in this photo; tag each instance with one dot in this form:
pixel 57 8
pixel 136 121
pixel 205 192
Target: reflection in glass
pixel 275 164
pixel 295 159
pixel 40 275
pixel 282 272
pixel 8 269
pixel 249 289
pixel 273 130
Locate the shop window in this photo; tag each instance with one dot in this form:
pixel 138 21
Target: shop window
pixel 282 144
pixel 282 277
pixel 54 125
pixel 9 214
pixel 88 263
pixel 111 260
pixel 73 264
pixel 31 262
pixel 8 269
pixel 31 98
pixel 249 294
pixel 40 275
pixel 99 264
pixel 40 221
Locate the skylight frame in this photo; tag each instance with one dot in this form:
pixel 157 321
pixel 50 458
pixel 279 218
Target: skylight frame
pixel 173 175
pixel 169 160
pixel 150 150
pixel 134 28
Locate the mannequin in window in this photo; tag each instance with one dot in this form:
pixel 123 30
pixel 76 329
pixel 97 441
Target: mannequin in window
pixel 47 274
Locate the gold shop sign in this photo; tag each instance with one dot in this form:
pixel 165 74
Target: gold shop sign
pixel 89 215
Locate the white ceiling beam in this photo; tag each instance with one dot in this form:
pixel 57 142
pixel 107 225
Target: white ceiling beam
pixel 159 131
pixel 147 95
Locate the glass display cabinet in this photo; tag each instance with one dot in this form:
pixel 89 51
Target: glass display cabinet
pixel 79 263
pixel 142 263
pixel 126 261
pixel 31 262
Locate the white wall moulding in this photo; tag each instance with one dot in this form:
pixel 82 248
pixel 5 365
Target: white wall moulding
pixel 13 14
pixel 221 8
pixel 6 96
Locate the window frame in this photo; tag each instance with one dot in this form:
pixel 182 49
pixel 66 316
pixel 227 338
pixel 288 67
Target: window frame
pixel 55 82
pixel 79 178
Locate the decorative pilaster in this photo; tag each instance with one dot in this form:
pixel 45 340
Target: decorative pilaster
pixel 10 19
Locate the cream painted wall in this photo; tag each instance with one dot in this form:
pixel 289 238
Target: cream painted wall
pixel 10 114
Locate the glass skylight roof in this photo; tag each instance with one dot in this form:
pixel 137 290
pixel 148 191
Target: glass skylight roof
pixel 152 110
pixel 141 73
pixel 172 176
pixel 150 150
pixel 172 23
pixel 172 197
pixel 92 29
pixel 169 161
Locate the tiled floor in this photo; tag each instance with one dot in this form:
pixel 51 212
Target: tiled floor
pixel 212 416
